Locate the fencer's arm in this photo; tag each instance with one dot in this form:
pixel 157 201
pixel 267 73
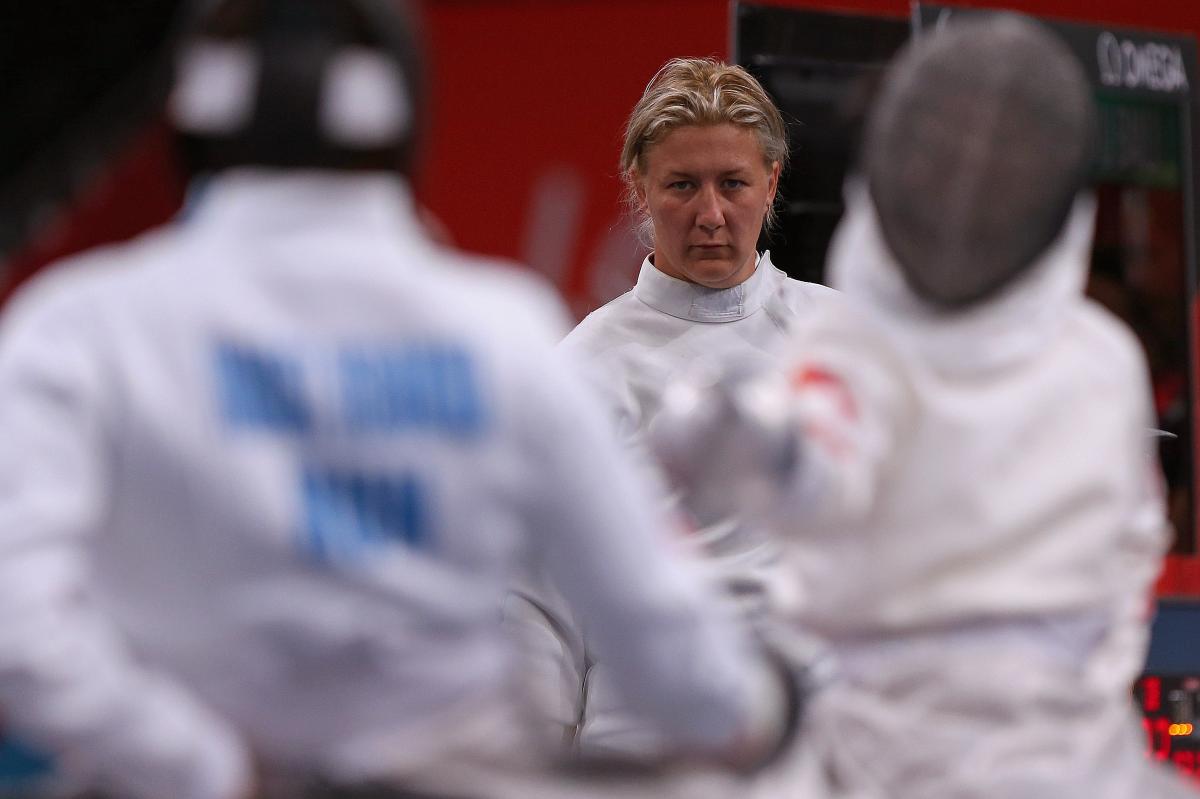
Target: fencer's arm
pixel 551 652
pixel 67 683
pixel 808 442
pixel 847 418
pixel 674 653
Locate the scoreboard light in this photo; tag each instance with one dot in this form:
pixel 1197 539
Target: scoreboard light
pixel 1171 731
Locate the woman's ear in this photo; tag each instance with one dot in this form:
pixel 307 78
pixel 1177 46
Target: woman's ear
pixel 773 182
pixel 639 190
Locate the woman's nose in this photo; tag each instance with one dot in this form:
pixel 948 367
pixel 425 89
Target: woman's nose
pixel 709 215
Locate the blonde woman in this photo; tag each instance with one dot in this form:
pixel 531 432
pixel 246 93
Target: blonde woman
pixel 703 153
pixel 702 157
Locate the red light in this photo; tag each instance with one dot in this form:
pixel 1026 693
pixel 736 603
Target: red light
pixel 1162 737
pixel 1185 761
pixel 1152 694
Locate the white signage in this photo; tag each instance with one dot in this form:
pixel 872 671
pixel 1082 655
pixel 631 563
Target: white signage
pixel 1132 65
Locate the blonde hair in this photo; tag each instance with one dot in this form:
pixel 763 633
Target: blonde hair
pixel 698 91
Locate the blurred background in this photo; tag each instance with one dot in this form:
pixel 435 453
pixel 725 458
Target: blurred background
pixel 531 94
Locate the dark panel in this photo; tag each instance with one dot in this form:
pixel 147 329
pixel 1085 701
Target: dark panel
pixel 821 69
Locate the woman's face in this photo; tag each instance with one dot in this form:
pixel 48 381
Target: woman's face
pixel 707 190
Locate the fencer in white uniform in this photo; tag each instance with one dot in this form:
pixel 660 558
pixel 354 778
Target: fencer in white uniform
pixel 975 511
pixel 636 346
pixel 268 471
pixel 703 172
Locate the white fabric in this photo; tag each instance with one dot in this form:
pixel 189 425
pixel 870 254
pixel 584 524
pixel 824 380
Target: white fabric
pixel 633 348
pixel 664 326
pixel 977 529
pixel 266 477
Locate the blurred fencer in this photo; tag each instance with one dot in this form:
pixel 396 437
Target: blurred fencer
pixel 268 471
pixel 703 151
pixel 960 460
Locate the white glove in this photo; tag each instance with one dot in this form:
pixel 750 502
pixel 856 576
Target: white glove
pixel 728 442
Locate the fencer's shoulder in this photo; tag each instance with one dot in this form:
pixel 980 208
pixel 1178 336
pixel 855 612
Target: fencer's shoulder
pixel 603 328
pixel 82 284
pixel 1107 340
pixel 838 319
pixel 807 294
pixel 514 294
pixel 798 295
pixel 846 337
pixel 843 340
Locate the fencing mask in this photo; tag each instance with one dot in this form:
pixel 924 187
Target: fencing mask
pixel 980 140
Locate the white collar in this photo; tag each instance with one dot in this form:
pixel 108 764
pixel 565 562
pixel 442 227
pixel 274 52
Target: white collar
pixel 697 303
pixel 1008 327
pixel 248 201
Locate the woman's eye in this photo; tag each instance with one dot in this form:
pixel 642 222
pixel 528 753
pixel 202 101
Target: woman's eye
pixel 733 183
pixel 680 185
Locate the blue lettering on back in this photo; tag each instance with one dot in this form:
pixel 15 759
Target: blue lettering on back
pixel 261 389
pixel 431 386
pixel 350 512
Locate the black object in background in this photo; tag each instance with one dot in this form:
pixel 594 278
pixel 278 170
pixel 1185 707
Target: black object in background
pixel 822 70
pixel 79 79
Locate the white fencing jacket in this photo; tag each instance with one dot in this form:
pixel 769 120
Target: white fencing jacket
pixel 977 527
pixel 633 348
pixel 657 332
pixel 265 477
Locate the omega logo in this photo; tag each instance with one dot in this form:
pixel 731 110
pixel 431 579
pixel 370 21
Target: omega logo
pixel 1153 66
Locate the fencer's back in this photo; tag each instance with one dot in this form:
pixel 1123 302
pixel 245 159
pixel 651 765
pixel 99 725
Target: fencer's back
pixel 1016 480
pixel 312 418
pixel 989 603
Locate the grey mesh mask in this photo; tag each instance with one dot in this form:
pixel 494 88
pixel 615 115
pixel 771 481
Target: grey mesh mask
pixel 981 138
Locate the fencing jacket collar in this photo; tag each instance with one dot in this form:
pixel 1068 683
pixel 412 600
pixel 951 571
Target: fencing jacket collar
pixel 250 201
pixel 995 333
pixel 697 303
